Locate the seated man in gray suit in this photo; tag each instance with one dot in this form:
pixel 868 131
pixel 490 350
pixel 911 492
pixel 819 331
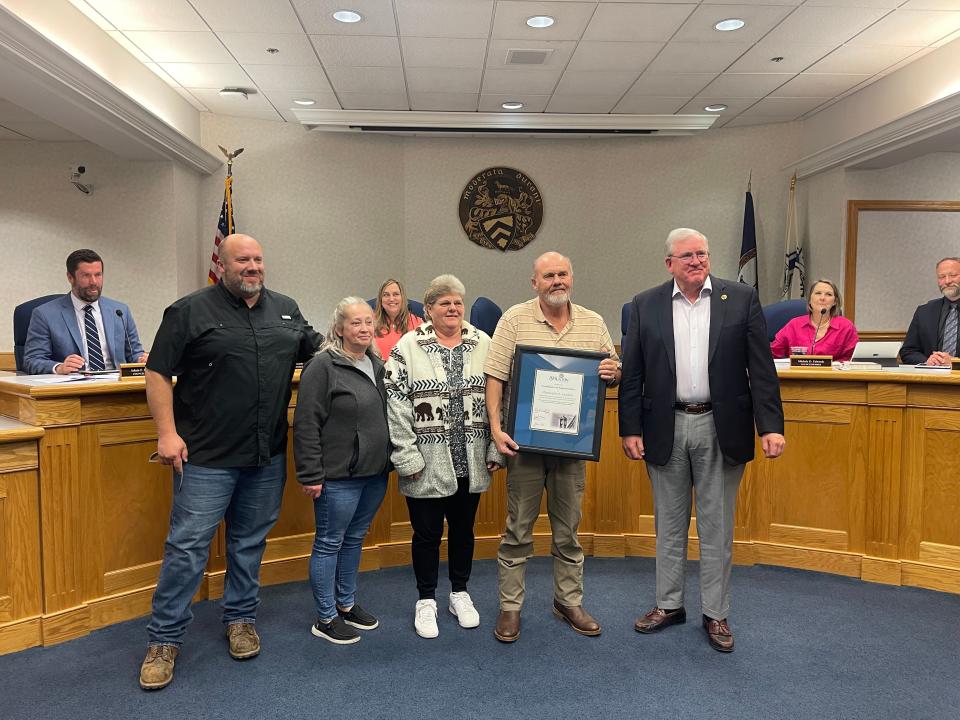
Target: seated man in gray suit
pixel 82 329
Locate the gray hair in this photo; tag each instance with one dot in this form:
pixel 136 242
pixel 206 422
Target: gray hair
pixel 679 234
pixel 443 285
pixel 333 343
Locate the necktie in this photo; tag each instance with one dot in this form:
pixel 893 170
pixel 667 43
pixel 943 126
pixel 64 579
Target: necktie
pixel 950 331
pixel 94 352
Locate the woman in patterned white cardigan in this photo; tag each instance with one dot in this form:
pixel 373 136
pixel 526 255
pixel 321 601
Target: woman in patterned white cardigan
pixel 442 448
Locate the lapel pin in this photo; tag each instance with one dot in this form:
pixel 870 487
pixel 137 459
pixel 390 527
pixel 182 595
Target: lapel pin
pixel 723 297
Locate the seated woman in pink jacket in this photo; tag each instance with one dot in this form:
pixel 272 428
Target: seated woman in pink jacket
pixel 822 331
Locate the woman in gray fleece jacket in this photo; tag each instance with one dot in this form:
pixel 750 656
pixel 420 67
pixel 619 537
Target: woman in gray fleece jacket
pixel 441 444
pixel 342 450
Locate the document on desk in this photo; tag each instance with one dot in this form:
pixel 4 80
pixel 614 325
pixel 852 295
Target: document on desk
pixel 58 379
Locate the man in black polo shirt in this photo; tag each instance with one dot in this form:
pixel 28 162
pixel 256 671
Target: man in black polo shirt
pixel 223 428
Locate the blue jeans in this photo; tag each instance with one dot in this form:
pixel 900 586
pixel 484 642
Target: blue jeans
pixel 343 512
pixel 249 500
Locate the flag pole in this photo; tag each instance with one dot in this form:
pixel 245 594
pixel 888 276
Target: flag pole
pixel 225 225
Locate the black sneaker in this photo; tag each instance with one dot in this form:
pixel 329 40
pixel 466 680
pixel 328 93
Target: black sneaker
pixel 359 618
pixel 336 631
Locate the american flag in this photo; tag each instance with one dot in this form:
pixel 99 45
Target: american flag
pixel 225 226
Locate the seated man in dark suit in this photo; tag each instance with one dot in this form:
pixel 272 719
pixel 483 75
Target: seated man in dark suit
pixel 82 329
pixel 932 335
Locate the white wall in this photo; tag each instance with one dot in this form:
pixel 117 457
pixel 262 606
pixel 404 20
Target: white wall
pixel 129 220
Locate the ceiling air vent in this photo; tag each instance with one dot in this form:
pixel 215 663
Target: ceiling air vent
pixel 528 57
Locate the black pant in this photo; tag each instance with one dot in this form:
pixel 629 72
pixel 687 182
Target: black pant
pixel 426 517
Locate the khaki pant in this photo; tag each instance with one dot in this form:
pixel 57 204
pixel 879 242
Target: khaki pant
pixel 527 476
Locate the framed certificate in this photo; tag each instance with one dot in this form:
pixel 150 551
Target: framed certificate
pixel 556 401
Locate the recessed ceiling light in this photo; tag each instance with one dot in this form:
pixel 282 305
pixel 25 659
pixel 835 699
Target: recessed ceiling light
pixel 304 101
pixel 512 105
pixel 239 93
pixel 719 107
pixel 729 24
pixel 540 21
pixel 347 16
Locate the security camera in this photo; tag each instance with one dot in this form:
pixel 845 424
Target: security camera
pixel 75 172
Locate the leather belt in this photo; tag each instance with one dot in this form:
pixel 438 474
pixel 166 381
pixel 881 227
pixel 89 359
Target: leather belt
pixel 693 408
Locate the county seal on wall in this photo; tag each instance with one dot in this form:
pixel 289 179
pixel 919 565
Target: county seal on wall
pixel 501 208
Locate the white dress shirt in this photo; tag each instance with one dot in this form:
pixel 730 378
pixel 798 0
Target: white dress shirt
pixel 78 307
pixel 691 339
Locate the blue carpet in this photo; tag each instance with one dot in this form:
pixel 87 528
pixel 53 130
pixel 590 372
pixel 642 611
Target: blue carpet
pixel 809 645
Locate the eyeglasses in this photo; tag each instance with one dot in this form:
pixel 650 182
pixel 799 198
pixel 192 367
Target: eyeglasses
pixel 687 258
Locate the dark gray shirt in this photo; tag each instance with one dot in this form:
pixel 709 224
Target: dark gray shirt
pixel 453 366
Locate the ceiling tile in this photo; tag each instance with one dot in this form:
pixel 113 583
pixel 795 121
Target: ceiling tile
pixel 595 104
pixel 366 80
pixel 862 59
pixel 445 18
pixel 198 75
pixel 519 82
pixel 149 14
pixel 614 82
pixel 444 102
pixel 510 20
pixel 357 50
pixel 670 86
pixel 294 79
pixel 734 105
pixel 374 101
pixel 44 131
pixel 760 20
pixel 637 105
pixel 443 52
pixel 265 16
pixel 181 47
pixel 796 58
pixel 785 106
pixel 317 17
pixel 230 105
pixel 746 85
pixel 818 85
pixel 162 74
pixel 679 57
pixel 910 27
pixel 613 55
pixel 251 48
pixel 751 120
pixel 556 60
pixel 532 103
pixel 636 22
pixel 444 80
pixel 15 113
pixel 11 135
pixel 931 5
pixel 768 2
pixel 128 45
pixel 284 100
pixel 886 4
pixel 824 25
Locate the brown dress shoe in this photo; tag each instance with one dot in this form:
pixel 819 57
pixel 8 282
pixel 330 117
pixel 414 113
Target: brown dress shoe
pixel 719 635
pixel 578 618
pixel 658 619
pixel 508 626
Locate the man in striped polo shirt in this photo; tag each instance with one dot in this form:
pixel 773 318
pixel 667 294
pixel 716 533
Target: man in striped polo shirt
pixel 548 320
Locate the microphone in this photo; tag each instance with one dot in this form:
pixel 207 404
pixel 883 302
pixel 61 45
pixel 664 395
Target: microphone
pixel 127 350
pixel 823 314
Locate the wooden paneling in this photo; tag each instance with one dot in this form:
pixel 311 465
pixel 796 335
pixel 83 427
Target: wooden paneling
pixel 869 487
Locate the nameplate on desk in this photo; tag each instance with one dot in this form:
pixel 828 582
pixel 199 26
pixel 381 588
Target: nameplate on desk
pixel 132 371
pixel 812 362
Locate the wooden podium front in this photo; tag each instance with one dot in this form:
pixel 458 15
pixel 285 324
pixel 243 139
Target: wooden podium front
pixel 869 486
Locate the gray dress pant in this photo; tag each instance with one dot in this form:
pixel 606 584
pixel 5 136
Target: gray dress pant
pixel 696 462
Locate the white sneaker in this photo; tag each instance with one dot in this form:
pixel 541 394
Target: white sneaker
pixel 425 619
pixel 462 607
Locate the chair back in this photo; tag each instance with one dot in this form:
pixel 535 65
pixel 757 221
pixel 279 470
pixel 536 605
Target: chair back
pixel 780 313
pixel 485 314
pixel 21 323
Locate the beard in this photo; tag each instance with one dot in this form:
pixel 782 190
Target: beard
pixel 242 287
pixel 951 292
pixel 88 294
pixel 557 299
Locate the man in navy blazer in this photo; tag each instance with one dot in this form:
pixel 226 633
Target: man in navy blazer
pixel 928 333
pixel 56 340
pixel 697 377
